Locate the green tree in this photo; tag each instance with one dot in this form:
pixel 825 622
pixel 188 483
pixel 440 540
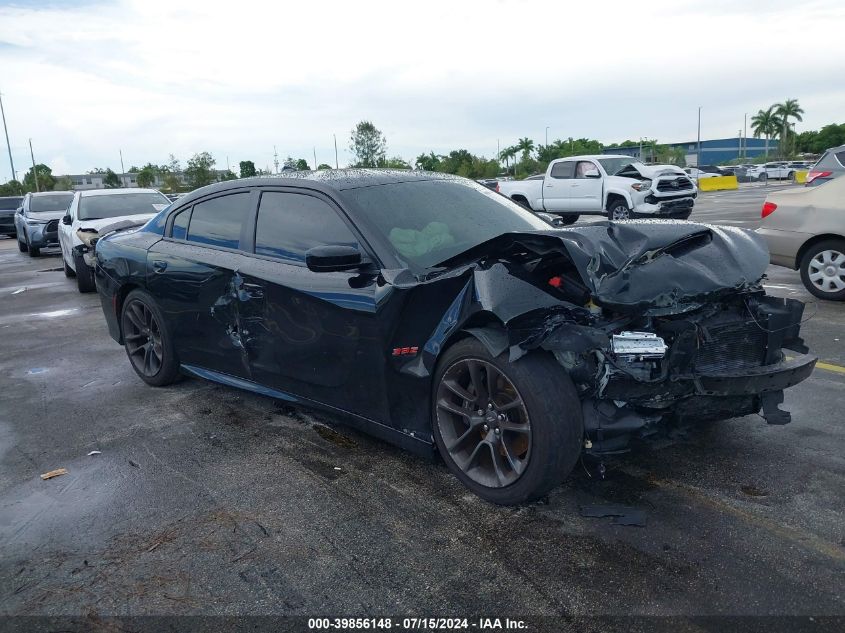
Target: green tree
pixel 200 170
pixel 46 180
pixel 368 144
pixel 428 162
pixel 506 154
pixel 63 184
pixel 302 165
pixel 228 175
pixel 111 180
pixel 12 188
pixel 147 175
pixel 829 136
pixel 764 123
pixel 789 109
pixel 324 166
pixel 246 168
pixel 526 146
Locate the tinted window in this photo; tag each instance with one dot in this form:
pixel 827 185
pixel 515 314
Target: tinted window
pixel 115 205
pixel 218 221
pixel 289 224
pixel 563 170
pixel 840 156
pixel 10 203
pixel 180 224
pixel 428 222
pixel 52 202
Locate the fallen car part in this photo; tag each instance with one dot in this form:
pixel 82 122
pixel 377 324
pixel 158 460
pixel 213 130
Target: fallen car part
pixel 54 473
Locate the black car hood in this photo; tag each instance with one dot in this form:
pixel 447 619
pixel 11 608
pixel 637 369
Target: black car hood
pixel 648 265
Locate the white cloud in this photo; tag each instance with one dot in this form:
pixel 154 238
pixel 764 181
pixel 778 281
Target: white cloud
pixel 154 77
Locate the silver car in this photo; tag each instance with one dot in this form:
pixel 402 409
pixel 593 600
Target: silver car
pixel 37 220
pixel 805 230
pixel 831 165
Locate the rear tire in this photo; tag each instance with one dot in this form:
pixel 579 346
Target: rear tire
pixel 522 446
pixel 84 275
pixel 147 340
pixel 823 270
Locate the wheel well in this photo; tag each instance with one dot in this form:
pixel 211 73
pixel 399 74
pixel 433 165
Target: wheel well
pixel 812 242
pixel 613 197
pixel 120 297
pixel 518 197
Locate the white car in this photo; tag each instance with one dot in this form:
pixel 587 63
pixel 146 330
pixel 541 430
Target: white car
pixel 93 211
pixel 606 184
pixel 699 174
pixel 780 171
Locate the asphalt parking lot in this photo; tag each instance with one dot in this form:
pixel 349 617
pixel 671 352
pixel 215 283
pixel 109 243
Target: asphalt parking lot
pixel 209 500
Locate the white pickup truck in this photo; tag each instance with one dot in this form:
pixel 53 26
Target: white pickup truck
pixel 613 185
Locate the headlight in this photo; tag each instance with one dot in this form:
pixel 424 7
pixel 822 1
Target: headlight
pixel 645 185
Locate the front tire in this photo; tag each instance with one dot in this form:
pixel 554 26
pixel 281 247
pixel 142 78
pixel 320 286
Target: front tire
pixel 618 209
pixel 84 275
pixel 566 220
pixel 823 270
pixel 68 270
pixel 510 432
pixel 34 251
pixel 147 340
pixel 22 247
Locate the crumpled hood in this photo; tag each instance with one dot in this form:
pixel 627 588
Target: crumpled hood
pixel 646 265
pixel 652 171
pixel 124 220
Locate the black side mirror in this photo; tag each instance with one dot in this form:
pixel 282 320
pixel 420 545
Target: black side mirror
pixel 593 173
pixel 332 258
pixel 66 220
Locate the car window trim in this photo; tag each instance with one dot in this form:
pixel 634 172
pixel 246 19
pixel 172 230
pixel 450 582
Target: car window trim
pixel 367 249
pixel 244 236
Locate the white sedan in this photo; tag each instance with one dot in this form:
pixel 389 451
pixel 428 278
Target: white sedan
pixel 93 210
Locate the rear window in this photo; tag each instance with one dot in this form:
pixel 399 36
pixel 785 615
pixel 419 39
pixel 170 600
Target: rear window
pixel 10 203
pixel 117 205
pixel 52 202
pixel 218 222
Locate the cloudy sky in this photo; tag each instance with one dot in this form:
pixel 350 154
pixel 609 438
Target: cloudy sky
pixel 84 80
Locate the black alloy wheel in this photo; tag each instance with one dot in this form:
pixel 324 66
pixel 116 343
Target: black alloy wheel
pixel 483 422
pixel 142 337
pixel 509 431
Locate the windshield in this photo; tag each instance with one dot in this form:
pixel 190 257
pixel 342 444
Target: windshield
pixel 117 205
pixel 10 203
pixel 52 202
pixel 614 165
pixel 430 221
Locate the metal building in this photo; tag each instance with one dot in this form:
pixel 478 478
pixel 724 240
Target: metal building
pixel 713 152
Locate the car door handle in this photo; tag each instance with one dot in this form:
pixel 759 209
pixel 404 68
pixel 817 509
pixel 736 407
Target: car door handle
pixel 549 186
pixel 159 266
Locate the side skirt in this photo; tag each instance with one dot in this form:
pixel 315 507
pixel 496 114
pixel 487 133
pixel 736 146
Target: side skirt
pixel 405 441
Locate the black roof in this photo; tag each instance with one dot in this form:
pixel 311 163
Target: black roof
pixel 336 179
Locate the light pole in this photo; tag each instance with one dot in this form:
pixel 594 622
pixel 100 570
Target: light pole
pixel 336 165
pixel 6 130
pixel 745 136
pixel 547 136
pixel 698 153
pixel 34 171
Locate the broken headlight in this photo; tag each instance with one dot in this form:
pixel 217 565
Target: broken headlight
pixel 645 185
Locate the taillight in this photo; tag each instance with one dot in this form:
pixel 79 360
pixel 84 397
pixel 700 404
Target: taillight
pixel 497 188
pixel 817 174
pixel 768 209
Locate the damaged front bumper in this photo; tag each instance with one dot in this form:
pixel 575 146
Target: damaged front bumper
pixel 718 362
pixel 654 207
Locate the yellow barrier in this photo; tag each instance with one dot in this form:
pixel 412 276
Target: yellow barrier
pixel 800 177
pixel 718 183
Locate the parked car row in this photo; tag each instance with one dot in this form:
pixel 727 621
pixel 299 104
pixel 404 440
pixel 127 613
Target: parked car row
pixel 71 220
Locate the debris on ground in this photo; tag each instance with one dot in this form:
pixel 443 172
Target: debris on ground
pixel 19 290
pixel 134 464
pixel 624 515
pixel 94 453
pixel 54 473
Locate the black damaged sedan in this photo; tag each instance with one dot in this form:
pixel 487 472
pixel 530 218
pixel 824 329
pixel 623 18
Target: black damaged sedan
pixel 432 312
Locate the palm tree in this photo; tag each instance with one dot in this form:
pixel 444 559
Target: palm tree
pixel 764 123
pixel 507 153
pixel 526 146
pixel 786 110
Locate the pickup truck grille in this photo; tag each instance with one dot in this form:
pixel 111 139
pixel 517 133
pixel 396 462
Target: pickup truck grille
pixel 675 184
pixel 737 345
